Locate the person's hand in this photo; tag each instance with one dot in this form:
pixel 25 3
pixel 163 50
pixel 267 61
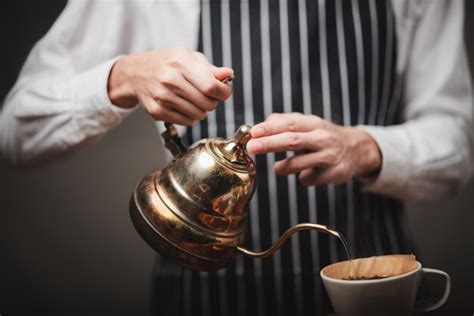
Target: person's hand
pixel 175 85
pixel 325 152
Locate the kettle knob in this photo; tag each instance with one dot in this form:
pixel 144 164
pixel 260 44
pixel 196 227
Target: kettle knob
pixel 242 136
pixel 234 149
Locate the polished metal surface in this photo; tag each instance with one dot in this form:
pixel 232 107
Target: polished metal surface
pixel 194 210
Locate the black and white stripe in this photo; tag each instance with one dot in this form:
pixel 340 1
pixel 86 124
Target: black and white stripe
pixel 249 117
pixel 335 59
pixel 306 103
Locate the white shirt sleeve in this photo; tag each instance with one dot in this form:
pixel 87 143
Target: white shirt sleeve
pixel 60 101
pixel 429 155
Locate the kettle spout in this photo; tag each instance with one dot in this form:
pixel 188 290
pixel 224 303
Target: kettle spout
pixel 286 235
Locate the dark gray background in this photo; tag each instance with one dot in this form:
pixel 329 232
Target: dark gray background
pixel 67 246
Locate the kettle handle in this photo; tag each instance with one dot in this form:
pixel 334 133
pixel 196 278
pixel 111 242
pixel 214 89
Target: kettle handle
pixel 172 140
pixel 286 235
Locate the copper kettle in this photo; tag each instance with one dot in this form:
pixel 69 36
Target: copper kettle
pixel 194 210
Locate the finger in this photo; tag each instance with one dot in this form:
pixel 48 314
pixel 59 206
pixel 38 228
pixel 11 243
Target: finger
pixel 208 85
pixel 281 142
pixel 285 122
pixel 222 73
pixel 177 103
pixel 306 176
pixel 189 92
pixel 296 164
pixel 175 117
pixel 201 76
pixel 162 113
pixel 320 176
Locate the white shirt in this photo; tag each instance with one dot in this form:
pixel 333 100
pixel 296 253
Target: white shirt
pixel 60 101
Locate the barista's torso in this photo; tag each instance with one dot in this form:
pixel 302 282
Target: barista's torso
pixel 334 59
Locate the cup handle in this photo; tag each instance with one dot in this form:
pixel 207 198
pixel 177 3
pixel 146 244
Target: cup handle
pixel 443 298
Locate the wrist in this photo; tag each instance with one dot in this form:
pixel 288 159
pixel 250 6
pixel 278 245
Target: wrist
pixel 368 154
pixel 119 89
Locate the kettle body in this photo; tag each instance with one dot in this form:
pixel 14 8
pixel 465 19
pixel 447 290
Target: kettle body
pixel 194 211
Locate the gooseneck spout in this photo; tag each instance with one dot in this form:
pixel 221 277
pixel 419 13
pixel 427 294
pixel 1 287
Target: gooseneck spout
pixel 286 235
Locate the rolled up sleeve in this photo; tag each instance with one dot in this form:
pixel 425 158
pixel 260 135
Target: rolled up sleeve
pixel 91 101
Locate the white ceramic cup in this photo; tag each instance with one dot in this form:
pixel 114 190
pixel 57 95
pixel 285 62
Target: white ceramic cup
pixel 388 296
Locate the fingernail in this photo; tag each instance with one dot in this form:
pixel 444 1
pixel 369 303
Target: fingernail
pixel 253 146
pixel 257 131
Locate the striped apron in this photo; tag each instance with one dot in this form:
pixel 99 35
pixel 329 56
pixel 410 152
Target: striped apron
pixel 335 59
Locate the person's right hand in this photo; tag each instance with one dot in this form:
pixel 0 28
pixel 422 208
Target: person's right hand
pixel 175 85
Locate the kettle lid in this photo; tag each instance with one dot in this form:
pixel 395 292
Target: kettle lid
pixel 232 152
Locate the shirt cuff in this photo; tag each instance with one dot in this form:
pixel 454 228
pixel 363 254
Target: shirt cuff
pixel 395 147
pixel 91 97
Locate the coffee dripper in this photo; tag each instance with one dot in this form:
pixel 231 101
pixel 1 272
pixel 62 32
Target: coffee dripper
pixel 194 211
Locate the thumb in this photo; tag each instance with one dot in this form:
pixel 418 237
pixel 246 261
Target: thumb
pixel 222 73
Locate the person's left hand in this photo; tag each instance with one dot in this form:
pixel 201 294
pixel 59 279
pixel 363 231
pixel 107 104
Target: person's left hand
pixel 326 152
